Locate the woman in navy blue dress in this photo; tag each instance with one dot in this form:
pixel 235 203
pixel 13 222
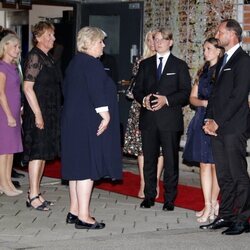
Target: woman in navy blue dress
pixel 198 146
pixel 90 127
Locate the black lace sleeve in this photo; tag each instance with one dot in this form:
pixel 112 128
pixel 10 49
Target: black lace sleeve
pixel 32 67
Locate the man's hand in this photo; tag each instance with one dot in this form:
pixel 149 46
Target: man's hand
pixel 146 102
pixel 210 127
pixel 159 102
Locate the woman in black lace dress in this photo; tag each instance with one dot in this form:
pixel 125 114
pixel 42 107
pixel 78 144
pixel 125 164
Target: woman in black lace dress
pixel 41 119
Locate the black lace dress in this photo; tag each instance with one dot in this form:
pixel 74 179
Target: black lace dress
pixel 42 144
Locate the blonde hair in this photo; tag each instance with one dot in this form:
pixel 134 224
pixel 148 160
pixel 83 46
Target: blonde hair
pixel 87 35
pixel 165 32
pixel 147 52
pixel 5 41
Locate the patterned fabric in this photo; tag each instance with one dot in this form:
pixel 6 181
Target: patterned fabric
pixel 132 139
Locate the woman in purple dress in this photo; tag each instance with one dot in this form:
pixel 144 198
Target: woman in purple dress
pixel 198 146
pixel 10 107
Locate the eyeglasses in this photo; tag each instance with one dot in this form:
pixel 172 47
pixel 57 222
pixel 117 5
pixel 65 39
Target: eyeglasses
pixel 157 40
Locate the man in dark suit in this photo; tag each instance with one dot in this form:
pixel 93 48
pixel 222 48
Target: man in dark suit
pixel 227 119
pixel 162 88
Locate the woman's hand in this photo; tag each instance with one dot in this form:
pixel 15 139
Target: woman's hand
pixel 104 123
pixel 39 121
pixel 11 121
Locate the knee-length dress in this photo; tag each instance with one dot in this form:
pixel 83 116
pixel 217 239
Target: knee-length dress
pixel 198 144
pixel 132 138
pixel 10 137
pixel 84 154
pixel 42 144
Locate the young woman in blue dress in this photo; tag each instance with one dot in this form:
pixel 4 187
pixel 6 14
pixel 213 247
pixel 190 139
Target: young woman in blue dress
pixel 198 147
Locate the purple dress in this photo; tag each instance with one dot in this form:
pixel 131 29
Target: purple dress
pixel 10 137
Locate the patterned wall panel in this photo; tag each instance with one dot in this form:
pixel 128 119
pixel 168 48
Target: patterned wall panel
pixel 191 21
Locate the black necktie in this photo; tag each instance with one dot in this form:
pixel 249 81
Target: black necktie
pixel 159 69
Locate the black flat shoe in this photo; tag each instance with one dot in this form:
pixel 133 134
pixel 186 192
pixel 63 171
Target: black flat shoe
pixel 237 228
pixel 83 225
pixel 16 184
pixel 71 218
pixel 15 174
pixel 217 224
pixel 147 203
pixel 168 206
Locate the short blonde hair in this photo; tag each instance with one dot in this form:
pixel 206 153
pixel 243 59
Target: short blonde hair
pixel 5 41
pixel 87 35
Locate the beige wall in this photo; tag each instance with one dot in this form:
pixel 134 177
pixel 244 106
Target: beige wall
pixel 44 11
pixel 2 18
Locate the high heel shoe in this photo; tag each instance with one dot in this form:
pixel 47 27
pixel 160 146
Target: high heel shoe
pixel 215 210
pixel 206 214
pixel 8 192
pixel 199 213
pixel 41 207
pixel 18 191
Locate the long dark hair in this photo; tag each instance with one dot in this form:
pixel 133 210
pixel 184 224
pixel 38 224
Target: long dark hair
pixel 215 42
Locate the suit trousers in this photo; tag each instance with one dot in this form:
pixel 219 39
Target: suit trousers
pixel 229 153
pixel 152 140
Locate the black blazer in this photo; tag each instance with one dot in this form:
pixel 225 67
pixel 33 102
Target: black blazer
pixel 228 103
pixel 175 84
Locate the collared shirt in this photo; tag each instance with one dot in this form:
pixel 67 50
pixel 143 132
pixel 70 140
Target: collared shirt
pixel 231 51
pixel 164 59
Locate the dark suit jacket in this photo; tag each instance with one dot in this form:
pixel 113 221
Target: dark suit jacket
pixel 228 103
pixel 175 84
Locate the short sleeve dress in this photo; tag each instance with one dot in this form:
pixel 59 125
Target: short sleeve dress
pixel 84 154
pixel 10 137
pixel 198 146
pixel 42 144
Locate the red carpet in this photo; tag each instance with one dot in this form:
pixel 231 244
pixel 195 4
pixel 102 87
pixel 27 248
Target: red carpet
pixel 188 197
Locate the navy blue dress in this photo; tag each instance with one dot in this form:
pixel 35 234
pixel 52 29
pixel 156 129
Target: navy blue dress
pixel 84 154
pixel 198 144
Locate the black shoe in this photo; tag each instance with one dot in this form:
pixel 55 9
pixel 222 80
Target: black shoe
pixel 237 228
pixel 147 203
pixel 71 218
pixel 83 225
pixel 15 174
pixel 16 184
pixel 168 206
pixel 217 223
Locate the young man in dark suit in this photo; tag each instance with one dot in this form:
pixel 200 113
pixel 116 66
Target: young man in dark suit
pixel 162 88
pixel 227 119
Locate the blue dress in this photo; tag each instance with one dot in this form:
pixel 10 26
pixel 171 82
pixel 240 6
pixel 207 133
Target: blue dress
pixel 84 154
pixel 198 144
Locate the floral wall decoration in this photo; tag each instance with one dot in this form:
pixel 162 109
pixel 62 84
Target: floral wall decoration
pixel 191 21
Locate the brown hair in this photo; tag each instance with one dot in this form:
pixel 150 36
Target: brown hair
pixel 39 29
pixel 215 42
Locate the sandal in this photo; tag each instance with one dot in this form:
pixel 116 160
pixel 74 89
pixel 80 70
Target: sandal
pixel 47 203
pixel 42 207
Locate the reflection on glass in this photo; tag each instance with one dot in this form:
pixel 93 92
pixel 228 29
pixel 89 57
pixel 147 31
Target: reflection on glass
pixel 111 25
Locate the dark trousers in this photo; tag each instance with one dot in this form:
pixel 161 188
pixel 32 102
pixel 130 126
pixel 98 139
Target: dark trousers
pixel 229 153
pixel 152 139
